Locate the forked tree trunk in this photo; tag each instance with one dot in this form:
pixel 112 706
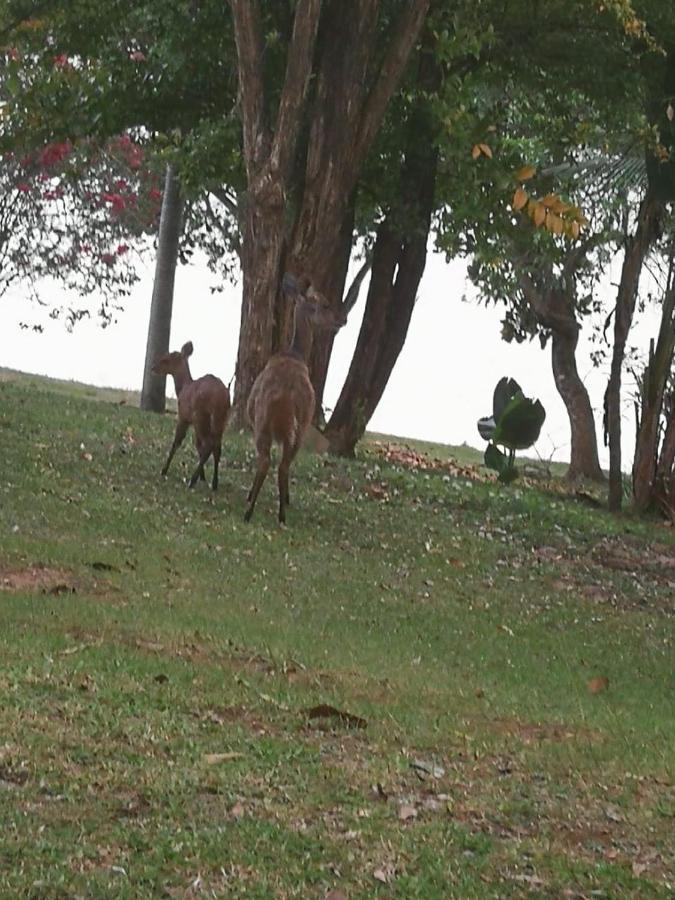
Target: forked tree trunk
pixel 637 248
pixel 269 154
pixel 399 259
pixel 395 276
pixel 653 389
pixel 153 393
pixel 351 95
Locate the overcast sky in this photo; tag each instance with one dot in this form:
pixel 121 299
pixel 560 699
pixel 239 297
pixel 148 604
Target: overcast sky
pixel 442 383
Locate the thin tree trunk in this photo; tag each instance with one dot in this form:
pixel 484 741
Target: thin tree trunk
pixel 637 248
pixel 153 394
pixel 667 455
pixel 322 346
pixel 584 460
pixel 654 385
pixel 554 307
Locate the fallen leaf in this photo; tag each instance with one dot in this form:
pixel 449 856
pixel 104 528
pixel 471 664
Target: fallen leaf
pixel 427 768
pixel 406 812
pixel 381 875
pixel 335 894
pixel 212 759
pixel 237 810
pixel 598 685
pixel 639 868
pixel 324 711
pixel 613 814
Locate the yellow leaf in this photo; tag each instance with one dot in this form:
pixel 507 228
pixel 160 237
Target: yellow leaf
pixel 549 200
pixel 520 198
pixel 539 215
pixel 574 229
pixel 475 151
pixel 526 173
pixel 485 149
pixel 554 223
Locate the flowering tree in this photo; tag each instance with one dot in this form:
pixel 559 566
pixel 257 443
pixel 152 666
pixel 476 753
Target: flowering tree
pixel 77 214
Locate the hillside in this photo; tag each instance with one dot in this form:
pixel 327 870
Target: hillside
pixel 426 686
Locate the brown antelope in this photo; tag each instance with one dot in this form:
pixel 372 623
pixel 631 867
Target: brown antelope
pixel 203 403
pixel 281 403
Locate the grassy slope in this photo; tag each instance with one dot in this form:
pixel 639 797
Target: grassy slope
pixel 144 627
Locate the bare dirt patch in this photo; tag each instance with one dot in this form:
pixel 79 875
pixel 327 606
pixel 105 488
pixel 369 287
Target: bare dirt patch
pixel 623 554
pixel 531 732
pixel 37 578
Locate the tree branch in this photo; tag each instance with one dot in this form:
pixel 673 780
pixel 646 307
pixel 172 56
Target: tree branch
pixel 221 194
pixel 298 70
pixel 352 294
pixel 391 72
pixel 248 38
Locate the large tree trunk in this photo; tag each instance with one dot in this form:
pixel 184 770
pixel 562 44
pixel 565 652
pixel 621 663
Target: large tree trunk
pixel 153 394
pixel 653 389
pixel 269 155
pixel 351 95
pixel 637 248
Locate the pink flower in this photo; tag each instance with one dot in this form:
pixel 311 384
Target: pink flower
pixel 108 259
pixel 116 201
pixel 137 56
pixel 62 62
pixel 122 249
pixel 23 187
pixel 54 153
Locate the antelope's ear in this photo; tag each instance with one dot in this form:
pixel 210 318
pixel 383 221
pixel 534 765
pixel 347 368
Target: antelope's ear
pixel 295 286
pixel 290 285
pixel 186 349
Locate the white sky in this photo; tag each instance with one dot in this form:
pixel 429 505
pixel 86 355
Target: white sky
pixel 442 383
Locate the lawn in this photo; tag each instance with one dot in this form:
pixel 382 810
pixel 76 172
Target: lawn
pixel 426 686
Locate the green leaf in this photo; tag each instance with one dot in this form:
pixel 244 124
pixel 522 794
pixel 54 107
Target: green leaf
pixel 506 389
pixel 520 423
pixel 495 459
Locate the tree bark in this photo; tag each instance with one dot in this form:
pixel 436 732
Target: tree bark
pixel 584 460
pixel 637 247
pixel 666 461
pixel 554 307
pixel 153 393
pixel 269 156
pixel 348 107
pixel 653 389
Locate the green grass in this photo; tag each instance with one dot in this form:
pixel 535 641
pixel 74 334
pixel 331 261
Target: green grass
pixel 145 628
